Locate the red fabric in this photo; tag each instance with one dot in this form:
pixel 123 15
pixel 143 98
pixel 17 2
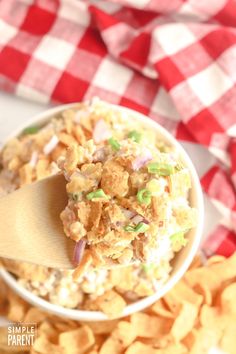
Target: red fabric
pixel 172 60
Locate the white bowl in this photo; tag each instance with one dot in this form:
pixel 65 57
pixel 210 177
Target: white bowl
pixel 181 261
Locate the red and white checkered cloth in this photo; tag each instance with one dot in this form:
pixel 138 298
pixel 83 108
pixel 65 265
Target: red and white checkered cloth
pixel 172 60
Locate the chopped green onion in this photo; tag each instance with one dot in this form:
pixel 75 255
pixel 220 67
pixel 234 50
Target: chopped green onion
pixel 144 196
pixel 148 267
pixel 114 144
pixel 129 228
pixel 162 169
pixel 96 194
pixel 135 135
pixel 30 130
pixel 140 228
pixel 178 239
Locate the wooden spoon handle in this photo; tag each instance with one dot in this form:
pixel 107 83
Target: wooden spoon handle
pixel 30 225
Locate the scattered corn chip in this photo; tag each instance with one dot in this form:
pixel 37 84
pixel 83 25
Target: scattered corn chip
pixel 77 341
pixel 141 348
pixel 228 299
pixel 185 321
pixel 228 340
pixel 48 330
pixel 111 345
pixel 183 292
pixel 125 333
pixel 149 326
pixel 215 259
pixel 203 290
pixel 197 317
pixel 213 318
pixel 205 339
pixel 35 315
pixel 17 308
pixel 176 348
pixel 103 327
pixel 161 310
pixel 43 345
pixel 213 275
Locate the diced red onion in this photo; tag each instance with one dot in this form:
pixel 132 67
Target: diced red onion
pixel 137 219
pixel 101 131
pixel 128 213
pixel 50 146
pixel 79 251
pixel 141 160
pixel 99 155
pixel 34 159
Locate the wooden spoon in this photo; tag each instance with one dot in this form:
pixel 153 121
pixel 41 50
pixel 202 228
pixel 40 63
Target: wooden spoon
pixel 30 225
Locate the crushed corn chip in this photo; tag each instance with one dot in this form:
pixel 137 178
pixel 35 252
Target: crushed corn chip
pixel 67 139
pixel 79 134
pixel 26 174
pixel 58 152
pixel 83 266
pixel 42 169
pixel 114 179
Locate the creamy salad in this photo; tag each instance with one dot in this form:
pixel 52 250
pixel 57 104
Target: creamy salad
pixel 127 204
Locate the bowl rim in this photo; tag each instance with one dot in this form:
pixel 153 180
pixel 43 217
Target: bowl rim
pixel 81 315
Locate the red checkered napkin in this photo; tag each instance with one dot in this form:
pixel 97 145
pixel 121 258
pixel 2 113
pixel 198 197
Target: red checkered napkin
pixel 172 60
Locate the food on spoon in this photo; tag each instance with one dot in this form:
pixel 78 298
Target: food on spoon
pixel 128 201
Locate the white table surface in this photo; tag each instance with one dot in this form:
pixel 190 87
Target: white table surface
pixel 15 111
